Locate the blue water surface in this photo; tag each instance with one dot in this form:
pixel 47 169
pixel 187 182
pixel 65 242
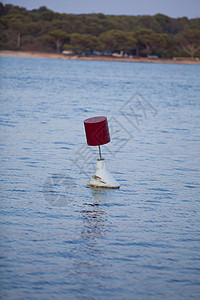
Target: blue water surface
pixel 61 240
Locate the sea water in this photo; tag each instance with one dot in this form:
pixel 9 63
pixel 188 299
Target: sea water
pixel 61 240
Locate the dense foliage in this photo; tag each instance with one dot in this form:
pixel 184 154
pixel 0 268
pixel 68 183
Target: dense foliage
pixel 44 30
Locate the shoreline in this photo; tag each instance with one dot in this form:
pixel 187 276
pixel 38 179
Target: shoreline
pixel 30 54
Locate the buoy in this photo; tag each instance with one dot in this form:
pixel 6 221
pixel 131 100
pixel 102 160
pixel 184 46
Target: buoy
pixel 97 133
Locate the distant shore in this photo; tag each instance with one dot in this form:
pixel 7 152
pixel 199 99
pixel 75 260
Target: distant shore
pixel 8 53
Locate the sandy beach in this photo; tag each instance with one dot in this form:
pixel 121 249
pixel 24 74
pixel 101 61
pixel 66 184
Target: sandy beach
pixel 8 53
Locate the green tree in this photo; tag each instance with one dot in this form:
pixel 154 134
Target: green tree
pixel 148 22
pixel 44 13
pixel 108 40
pixel 94 28
pixel 84 42
pixel 76 41
pixel 56 37
pixel 164 22
pixel 144 38
pixel 189 41
pixel 178 25
pixel 33 28
pixel 63 25
pixel 117 40
pixel 18 27
pixel 162 44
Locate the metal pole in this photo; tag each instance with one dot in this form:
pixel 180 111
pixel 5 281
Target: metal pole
pixel 100 152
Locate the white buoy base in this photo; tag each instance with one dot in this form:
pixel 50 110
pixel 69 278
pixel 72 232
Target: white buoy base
pixel 102 178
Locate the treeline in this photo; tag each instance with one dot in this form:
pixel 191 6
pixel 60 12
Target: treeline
pixel 44 30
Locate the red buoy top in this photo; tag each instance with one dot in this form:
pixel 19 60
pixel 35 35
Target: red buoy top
pixel 97 132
